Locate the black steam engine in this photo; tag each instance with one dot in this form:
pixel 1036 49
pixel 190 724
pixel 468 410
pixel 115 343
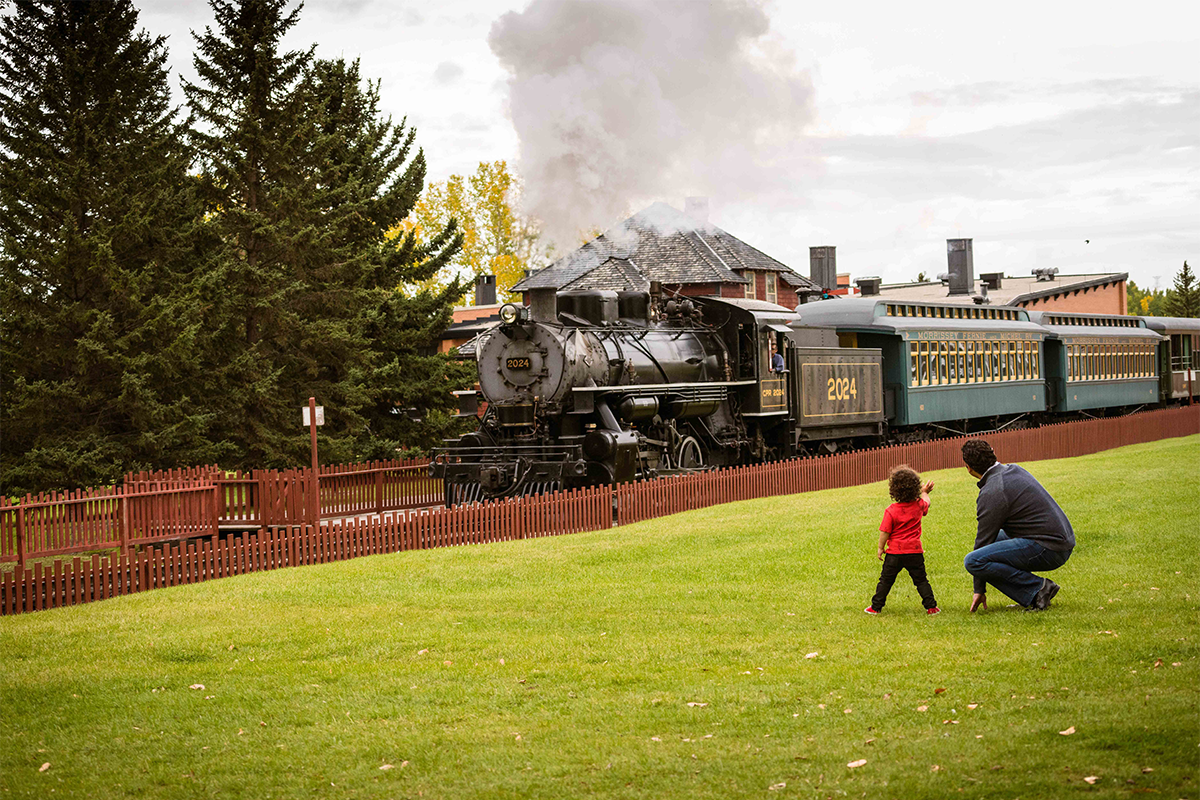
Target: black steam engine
pixel 602 387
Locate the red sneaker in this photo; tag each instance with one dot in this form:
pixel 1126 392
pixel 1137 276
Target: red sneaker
pixel 870 611
pixel 932 611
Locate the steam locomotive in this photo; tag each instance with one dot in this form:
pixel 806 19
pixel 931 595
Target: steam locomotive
pixel 602 387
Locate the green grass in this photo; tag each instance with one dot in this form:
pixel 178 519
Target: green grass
pixel 566 667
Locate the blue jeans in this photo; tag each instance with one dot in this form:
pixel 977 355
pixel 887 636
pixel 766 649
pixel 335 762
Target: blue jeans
pixel 1007 563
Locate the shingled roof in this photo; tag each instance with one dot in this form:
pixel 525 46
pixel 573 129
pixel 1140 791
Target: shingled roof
pixel 660 244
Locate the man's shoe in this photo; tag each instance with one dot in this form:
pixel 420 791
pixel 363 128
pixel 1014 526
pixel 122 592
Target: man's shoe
pixel 871 611
pixel 1041 600
pixel 932 611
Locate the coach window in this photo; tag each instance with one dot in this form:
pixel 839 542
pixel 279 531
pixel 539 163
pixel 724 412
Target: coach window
pixel 913 351
pixel 1036 355
pixel 1070 351
pixel 924 365
pixel 962 362
pixel 1026 361
pixel 951 349
pixel 943 373
pixel 993 374
pixel 1014 373
pixel 980 355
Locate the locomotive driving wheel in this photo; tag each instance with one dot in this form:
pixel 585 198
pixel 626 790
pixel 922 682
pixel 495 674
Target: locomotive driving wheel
pixel 689 455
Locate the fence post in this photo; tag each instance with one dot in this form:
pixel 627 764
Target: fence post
pixel 379 491
pixel 20 538
pixel 123 511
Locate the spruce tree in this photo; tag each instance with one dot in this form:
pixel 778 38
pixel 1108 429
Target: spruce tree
pixel 98 237
pixel 1183 300
pixel 304 182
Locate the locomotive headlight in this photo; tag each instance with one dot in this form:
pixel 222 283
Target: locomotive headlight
pixel 509 313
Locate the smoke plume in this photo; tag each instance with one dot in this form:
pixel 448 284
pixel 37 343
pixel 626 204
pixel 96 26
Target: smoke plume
pixel 618 103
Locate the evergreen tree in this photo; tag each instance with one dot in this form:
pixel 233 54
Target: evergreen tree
pixel 97 237
pixel 304 180
pixel 1183 300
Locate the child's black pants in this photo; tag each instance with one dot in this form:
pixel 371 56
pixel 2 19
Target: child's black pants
pixel 892 564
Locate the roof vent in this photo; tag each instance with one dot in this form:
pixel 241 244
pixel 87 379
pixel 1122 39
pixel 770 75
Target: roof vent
pixel 868 286
pixel 1045 273
pixel 981 299
pixel 993 280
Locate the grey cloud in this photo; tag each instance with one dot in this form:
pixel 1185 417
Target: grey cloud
pixel 1138 134
pixel 619 102
pixel 447 72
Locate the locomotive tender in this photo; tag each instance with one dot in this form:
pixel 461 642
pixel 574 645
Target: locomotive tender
pixel 605 387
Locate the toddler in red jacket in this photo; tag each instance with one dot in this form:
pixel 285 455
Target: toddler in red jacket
pixel 900 538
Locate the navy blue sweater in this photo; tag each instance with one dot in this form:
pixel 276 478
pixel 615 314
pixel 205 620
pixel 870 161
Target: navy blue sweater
pixel 1011 499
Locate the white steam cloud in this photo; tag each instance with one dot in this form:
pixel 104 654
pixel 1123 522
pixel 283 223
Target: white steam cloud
pixel 618 103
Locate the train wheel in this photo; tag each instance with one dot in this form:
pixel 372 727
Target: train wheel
pixel 689 455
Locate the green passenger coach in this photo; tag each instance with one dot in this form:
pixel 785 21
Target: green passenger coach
pixel 1099 360
pixel 944 362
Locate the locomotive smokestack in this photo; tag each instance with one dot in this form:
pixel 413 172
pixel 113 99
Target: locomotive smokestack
pixel 962 265
pixel 543 304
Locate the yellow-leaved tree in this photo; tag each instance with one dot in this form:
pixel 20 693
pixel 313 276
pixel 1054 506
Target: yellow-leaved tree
pixel 497 238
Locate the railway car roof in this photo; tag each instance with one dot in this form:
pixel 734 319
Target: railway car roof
pixel 744 310
pixel 1173 324
pixel 1097 325
pixel 881 316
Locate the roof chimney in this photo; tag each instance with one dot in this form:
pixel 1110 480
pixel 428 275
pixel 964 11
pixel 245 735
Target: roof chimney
pixel 823 266
pixel 697 209
pixel 962 265
pixel 485 290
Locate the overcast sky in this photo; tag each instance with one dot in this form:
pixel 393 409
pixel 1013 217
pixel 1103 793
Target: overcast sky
pixel 1054 134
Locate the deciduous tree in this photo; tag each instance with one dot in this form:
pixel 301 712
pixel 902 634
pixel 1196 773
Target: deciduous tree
pixel 497 238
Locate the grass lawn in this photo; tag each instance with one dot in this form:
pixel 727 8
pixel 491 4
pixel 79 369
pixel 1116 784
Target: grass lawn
pixel 715 654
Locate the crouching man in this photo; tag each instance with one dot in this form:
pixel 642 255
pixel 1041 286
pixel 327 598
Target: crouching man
pixel 1021 529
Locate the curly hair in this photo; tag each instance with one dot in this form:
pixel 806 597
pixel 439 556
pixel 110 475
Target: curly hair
pixel 904 484
pixel 978 455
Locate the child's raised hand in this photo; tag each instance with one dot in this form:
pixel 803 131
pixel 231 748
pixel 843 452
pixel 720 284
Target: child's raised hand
pixel 928 487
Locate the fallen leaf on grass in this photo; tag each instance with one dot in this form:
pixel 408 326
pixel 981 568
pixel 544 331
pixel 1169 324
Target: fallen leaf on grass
pixel 386 767
pixel 935 768
pixel 240 732
pixel 422 652
pixel 1090 779
pixel 1067 732
pixel 776 786
pixel 848 711
pixel 887 696
pixel 857 764
pixel 448 663
pixel 813 654
pixel 1147 769
pixel 697 705
pixel 922 708
pixel 949 722
pixel 655 739
pixel 44 767
pixel 938 691
pixel 1176 663
pixel 821 706
pixel 196 686
pixel 1158 662
pixel 972 705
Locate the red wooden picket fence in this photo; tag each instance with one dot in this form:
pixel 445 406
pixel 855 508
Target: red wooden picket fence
pixel 156 557
pixel 197 501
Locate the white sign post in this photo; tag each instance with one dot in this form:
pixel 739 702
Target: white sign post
pixel 314 415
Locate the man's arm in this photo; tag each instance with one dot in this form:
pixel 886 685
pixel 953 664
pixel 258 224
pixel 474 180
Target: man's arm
pixel 991 510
